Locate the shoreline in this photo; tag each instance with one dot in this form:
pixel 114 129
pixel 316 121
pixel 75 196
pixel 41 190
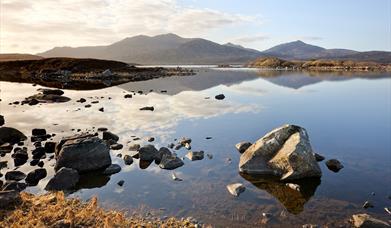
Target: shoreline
pixel 55 210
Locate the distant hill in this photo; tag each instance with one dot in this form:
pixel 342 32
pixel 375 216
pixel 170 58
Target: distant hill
pixel 15 57
pixel 300 50
pixel 161 49
pixel 173 49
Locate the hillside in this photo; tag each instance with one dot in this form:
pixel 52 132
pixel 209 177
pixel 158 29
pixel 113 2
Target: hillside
pixel 161 49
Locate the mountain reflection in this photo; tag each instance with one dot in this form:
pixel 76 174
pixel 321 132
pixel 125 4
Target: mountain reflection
pixel 293 200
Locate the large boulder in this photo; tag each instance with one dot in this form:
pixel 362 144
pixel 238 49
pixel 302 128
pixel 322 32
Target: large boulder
pixel 284 152
pixel 11 135
pixel 83 153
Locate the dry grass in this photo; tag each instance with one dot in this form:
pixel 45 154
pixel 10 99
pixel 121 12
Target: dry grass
pixel 54 210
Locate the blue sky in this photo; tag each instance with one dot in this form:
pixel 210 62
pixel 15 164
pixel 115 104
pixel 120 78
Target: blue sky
pixel 354 24
pixel 32 26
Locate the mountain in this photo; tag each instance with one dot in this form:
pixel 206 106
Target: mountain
pixel 173 49
pixel 300 50
pixel 161 49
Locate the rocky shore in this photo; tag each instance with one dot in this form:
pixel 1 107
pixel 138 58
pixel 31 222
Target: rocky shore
pixel 317 65
pixel 70 73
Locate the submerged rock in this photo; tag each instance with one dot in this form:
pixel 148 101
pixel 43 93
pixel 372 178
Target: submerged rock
pixel 236 189
pixel 284 152
pixel 319 157
pixel 242 146
pixel 334 165
pixel 170 162
pixel 64 179
pixel 195 155
pixel 367 221
pixel 11 135
pixel 83 153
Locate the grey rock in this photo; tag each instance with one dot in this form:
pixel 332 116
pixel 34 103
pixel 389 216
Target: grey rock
pixel 242 146
pixel 128 160
pixel 15 175
pixel 8 198
pixel 319 157
pixel 35 176
pixel 162 151
pixel 11 135
pixel 38 131
pixel 284 152
pixel 219 97
pixel 148 153
pixel 236 189
pixel 107 135
pixel 170 162
pixel 367 221
pixel 64 179
pixel 147 108
pixel 195 155
pixel 334 165
pixel 116 146
pixel 83 153
pixel 112 169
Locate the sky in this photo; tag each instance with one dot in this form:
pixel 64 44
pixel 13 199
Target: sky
pixel 33 26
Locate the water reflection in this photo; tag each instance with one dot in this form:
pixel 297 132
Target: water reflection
pixel 293 200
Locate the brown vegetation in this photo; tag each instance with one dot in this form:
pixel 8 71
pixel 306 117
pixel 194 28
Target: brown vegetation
pixel 318 64
pixel 54 210
pixel 15 57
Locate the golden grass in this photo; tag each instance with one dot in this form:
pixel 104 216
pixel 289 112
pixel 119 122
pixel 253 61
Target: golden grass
pixel 54 210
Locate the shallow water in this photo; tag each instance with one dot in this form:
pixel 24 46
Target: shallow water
pixel 346 116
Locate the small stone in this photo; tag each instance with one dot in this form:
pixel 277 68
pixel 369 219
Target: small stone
pixel 102 129
pixel 112 169
pixel 121 183
pixel 319 157
pixel 38 132
pixel 14 185
pixel 175 178
pixel 236 189
pixel 151 139
pixel 50 147
pixel 102 109
pixel 170 162
pixel 295 187
pixel 107 135
pixel 116 146
pixel 147 108
pixel 334 165
pixel 243 146
pixel 220 97
pixel 128 96
pixel 35 176
pixel 81 100
pixel 195 155
pixel 210 156
pixel 128 160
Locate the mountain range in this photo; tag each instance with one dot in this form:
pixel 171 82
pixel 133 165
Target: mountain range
pixel 173 49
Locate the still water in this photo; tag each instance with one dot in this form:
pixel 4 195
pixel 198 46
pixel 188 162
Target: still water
pixel 347 117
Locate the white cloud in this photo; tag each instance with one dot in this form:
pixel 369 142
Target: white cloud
pixel 28 25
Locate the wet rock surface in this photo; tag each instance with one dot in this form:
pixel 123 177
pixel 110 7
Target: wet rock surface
pixel 284 152
pixel 242 146
pixel 64 179
pixel 83 153
pixel 334 165
pixel 236 189
pixel 367 221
